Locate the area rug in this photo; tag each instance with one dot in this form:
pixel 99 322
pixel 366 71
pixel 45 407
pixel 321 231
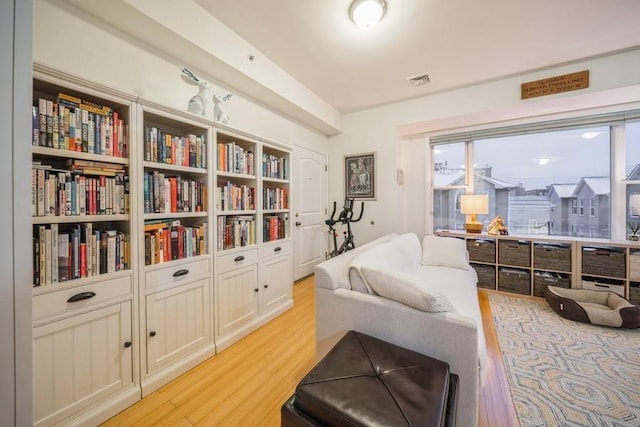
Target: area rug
pixel 565 373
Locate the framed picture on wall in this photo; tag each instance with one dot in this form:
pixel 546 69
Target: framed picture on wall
pixel 360 176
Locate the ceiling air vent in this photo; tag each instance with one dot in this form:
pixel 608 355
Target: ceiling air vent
pixel 419 80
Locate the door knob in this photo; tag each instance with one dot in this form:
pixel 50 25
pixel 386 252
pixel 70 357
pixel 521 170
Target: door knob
pixel 298 223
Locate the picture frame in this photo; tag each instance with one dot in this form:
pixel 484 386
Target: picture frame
pixel 360 176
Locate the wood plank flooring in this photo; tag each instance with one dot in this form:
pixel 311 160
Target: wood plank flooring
pixel 246 384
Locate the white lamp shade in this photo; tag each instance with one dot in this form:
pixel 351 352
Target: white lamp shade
pixel 367 13
pixel 474 204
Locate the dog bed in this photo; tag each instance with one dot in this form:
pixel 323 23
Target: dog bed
pixel 595 307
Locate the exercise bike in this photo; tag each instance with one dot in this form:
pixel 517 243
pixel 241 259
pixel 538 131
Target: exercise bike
pixel 346 218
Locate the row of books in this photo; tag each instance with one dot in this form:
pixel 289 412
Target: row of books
pixel 169 240
pixel 235 232
pixel 68 252
pixel 274 166
pixel 57 192
pixel 235 159
pixel 233 197
pixel 275 198
pixel 165 194
pixel 275 227
pixel 162 147
pixel 71 123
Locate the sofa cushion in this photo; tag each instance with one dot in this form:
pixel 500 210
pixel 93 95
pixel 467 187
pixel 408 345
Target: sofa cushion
pixel 445 252
pixel 404 288
pixel 391 255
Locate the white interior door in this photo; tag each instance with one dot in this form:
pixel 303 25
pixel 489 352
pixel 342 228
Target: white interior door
pixel 309 210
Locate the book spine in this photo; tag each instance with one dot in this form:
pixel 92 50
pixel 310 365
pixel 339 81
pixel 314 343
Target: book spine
pixel 54 253
pixel 35 126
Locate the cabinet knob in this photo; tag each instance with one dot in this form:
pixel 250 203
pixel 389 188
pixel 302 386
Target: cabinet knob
pixel 152 334
pixel 266 286
pixel 127 344
pixel 239 258
pixel 277 249
pixel 256 289
pixel 298 223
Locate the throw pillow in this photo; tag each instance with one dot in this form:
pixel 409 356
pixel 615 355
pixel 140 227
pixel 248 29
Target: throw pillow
pixel 445 252
pixel 403 288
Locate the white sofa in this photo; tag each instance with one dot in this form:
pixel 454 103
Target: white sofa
pixel 346 300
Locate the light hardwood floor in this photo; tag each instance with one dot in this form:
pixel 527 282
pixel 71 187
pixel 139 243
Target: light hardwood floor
pixel 246 384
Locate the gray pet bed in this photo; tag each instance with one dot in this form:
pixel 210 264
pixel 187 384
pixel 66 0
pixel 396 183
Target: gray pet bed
pixel 596 307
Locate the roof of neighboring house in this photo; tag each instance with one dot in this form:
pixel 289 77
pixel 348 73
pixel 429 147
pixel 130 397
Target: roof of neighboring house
pixel 564 190
pixel 444 179
pixel 598 184
pixel 634 175
pixel 499 184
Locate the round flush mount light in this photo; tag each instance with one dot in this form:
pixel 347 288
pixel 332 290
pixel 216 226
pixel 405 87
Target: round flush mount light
pixel 367 13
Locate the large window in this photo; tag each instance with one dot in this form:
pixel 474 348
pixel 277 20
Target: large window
pixel 541 180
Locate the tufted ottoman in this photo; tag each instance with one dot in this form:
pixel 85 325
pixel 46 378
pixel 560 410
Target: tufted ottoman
pixel 364 381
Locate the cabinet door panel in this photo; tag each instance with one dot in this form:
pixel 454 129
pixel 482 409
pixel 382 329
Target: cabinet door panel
pixel 276 282
pixel 237 298
pixel 80 360
pixel 176 323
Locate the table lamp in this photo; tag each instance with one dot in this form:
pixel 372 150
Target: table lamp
pixel 474 204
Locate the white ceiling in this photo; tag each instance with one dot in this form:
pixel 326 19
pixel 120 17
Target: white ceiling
pixel 459 42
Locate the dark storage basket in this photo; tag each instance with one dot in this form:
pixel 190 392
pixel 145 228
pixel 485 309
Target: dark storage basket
pixel 514 252
pixel 514 280
pixel 552 257
pixel 542 279
pixel 634 293
pixel 486 275
pixel 604 262
pixel 481 250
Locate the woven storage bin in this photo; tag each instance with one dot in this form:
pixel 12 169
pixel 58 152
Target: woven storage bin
pixel 634 294
pixel 604 262
pixel 514 252
pixel 542 279
pixel 514 280
pixel 481 250
pixel 486 275
pixel 552 257
pixel 600 284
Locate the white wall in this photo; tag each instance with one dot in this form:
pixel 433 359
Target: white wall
pixel 15 285
pixel 73 42
pixel 383 130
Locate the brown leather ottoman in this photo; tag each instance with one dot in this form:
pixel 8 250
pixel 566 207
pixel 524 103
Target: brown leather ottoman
pixel 364 381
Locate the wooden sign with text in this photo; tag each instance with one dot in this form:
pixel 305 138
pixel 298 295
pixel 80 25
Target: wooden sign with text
pixel 558 84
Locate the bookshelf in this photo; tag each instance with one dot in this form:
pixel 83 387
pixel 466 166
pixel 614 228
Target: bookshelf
pixel 171 242
pixel 84 283
pixel 253 256
pixel 175 296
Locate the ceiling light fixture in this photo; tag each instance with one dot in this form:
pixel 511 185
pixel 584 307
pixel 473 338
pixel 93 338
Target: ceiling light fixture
pixel 367 13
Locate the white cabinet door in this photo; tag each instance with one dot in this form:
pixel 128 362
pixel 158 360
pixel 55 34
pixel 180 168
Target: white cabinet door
pixel 80 360
pixel 237 299
pixel 276 283
pixel 176 323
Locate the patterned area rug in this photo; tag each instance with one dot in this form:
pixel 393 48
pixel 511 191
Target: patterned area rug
pixel 565 373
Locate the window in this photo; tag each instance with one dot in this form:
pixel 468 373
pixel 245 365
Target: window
pixel 634 205
pixel 534 178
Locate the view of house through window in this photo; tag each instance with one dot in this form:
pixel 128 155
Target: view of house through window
pixel 555 182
